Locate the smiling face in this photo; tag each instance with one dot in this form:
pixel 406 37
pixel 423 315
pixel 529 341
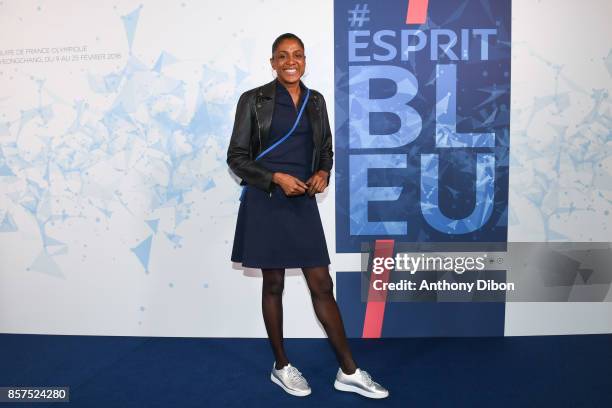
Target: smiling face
pixel 289 61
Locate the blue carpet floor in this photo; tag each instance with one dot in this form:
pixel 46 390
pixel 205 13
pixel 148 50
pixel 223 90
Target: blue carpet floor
pixel 551 371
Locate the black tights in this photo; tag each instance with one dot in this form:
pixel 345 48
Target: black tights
pixel 322 294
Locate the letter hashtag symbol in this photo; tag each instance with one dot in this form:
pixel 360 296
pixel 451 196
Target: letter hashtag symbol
pixel 359 15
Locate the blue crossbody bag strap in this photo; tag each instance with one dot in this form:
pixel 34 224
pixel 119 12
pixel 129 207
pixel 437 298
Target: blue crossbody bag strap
pixel 281 140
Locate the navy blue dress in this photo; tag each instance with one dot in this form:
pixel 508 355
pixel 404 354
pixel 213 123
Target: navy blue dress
pixel 279 231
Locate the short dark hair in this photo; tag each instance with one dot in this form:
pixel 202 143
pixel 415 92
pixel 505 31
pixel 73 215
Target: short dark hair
pixel 286 36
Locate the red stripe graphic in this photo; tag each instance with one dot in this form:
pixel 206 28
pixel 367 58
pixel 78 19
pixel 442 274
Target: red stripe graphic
pixel 417 12
pixel 375 310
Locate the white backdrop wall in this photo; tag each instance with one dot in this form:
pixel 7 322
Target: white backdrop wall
pixel 117 210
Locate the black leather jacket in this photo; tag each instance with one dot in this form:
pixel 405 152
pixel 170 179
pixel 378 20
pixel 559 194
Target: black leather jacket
pixel 250 135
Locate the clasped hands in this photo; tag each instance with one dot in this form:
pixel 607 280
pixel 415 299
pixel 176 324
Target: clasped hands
pixel 293 186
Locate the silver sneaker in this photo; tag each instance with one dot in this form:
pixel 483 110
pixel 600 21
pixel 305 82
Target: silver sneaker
pixel 291 380
pixel 361 383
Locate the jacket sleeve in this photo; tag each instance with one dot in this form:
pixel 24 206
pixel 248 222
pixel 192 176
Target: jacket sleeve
pixel 326 161
pixel 238 152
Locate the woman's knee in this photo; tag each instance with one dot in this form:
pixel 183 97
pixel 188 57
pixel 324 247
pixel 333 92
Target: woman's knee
pixel 321 286
pixel 273 282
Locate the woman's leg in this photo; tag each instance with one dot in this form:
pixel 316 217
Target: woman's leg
pixel 272 308
pixel 322 293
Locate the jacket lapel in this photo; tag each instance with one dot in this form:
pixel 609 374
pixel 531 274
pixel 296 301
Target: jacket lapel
pixel 264 106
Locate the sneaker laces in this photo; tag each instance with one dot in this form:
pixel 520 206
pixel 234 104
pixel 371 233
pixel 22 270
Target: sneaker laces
pixel 294 374
pixel 366 378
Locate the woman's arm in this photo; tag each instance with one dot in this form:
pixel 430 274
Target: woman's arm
pixel 238 152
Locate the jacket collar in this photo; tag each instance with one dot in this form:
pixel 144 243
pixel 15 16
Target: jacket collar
pixel 268 91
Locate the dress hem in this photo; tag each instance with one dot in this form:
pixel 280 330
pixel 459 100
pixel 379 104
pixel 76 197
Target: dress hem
pixel 282 266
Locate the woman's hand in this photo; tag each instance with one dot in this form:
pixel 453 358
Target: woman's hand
pixel 291 186
pixel 317 183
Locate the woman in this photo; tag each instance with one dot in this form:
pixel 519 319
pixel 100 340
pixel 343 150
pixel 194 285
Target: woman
pixel 281 147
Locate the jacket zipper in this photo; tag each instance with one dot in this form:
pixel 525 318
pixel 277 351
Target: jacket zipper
pixel 322 134
pixel 259 133
pixel 258 128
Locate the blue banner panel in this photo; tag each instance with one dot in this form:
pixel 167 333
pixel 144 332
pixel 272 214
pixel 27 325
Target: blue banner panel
pixel 422 121
pixel 422 116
